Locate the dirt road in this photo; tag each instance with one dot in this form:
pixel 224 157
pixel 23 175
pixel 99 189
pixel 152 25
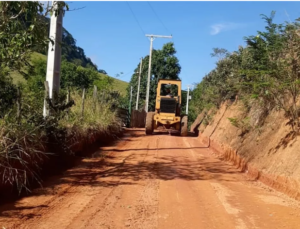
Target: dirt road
pixel 157 181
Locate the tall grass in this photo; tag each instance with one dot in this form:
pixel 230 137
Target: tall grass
pixel 21 152
pixel 97 114
pixel 25 145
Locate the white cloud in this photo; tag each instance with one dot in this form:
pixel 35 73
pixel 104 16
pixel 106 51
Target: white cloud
pixel 220 27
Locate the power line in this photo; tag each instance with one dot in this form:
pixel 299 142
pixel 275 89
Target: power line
pixel 137 21
pixel 125 74
pixel 158 18
pixel 162 23
pixel 164 27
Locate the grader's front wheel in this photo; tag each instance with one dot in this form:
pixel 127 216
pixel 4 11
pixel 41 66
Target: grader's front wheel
pixel 149 123
pixel 184 126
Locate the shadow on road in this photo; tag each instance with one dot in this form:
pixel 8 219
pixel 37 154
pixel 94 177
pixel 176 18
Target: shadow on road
pixel 174 134
pixel 131 167
pixel 130 172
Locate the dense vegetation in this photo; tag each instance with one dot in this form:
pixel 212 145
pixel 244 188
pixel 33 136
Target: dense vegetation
pixel 165 65
pixel 264 74
pixel 26 137
pixel 70 51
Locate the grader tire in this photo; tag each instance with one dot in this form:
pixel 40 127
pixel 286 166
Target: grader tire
pixel 184 126
pixel 149 123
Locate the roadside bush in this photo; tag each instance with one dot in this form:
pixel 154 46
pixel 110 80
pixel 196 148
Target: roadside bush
pixel 265 73
pixel 96 116
pixel 242 123
pixel 8 93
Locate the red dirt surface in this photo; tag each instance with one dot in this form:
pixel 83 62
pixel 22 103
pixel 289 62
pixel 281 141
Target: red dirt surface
pixel 157 181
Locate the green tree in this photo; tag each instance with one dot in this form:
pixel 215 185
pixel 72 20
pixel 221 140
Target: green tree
pixel 8 92
pixel 21 30
pixel 165 65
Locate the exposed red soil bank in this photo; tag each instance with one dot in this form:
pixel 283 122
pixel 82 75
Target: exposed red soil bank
pixel 269 154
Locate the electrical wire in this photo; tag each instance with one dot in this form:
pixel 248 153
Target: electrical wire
pixel 158 18
pixel 137 21
pixel 122 75
pixel 168 31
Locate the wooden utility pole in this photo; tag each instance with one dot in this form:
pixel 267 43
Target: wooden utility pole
pixel 54 56
pixel 138 89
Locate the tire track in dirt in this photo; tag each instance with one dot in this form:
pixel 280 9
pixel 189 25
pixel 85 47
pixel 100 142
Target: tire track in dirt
pixel 197 205
pixel 144 215
pixel 101 215
pixel 104 200
pixel 60 201
pixel 244 200
pixel 225 195
pixel 70 198
pixel 99 212
pixel 78 197
pixel 104 212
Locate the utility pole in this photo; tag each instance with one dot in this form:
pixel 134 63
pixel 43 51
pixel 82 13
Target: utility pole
pixel 54 55
pixel 149 69
pixel 130 100
pixel 187 100
pixel 138 90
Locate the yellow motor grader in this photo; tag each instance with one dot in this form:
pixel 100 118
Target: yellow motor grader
pixel 167 109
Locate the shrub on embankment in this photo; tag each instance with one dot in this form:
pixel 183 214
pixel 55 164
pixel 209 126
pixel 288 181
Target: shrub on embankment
pixel 265 74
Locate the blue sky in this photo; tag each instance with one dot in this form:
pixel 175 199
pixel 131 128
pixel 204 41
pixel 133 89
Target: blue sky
pixel 112 38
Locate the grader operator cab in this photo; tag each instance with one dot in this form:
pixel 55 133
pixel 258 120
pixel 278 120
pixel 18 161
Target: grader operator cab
pixel 167 109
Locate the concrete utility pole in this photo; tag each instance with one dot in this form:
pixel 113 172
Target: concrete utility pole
pixel 187 99
pixel 138 90
pixel 149 69
pixel 54 56
pixel 130 100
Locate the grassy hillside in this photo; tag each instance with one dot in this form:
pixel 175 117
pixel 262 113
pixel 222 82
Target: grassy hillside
pixel 118 85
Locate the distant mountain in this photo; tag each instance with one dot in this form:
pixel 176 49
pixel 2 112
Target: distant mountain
pixel 70 51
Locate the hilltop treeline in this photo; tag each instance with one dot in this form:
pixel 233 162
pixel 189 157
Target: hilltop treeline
pixel 70 51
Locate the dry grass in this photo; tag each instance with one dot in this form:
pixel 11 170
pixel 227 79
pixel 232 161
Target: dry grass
pixel 21 153
pixel 24 146
pixel 97 115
